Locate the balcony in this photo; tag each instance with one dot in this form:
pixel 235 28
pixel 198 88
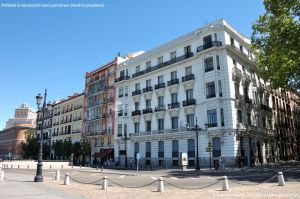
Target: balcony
pixel 189 102
pixel 136 112
pixel 136 92
pixel 188 77
pixel 122 78
pixel 209 45
pixel 147 110
pixel 174 105
pixel 147 89
pixel 173 82
pixel 160 108
pixel 161 65
pixel 159 86
pixel 211 95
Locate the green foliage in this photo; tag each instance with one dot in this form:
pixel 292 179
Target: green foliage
pixel 276 41
pixel 66 148
pixel 30 147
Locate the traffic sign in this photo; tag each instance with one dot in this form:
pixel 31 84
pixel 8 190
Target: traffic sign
pixel 138 156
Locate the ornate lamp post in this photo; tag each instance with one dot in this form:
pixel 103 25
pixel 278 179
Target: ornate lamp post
pixel 43 109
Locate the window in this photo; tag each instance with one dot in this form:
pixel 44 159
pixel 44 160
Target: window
pixel 212 118
pixel 216 141
pixel 173 55
pixel 121 92
pixel 136 105
pixel 174 98
pixel 119 130
pixel 161 124
pixel 239 116
pixel 137 68
pixel 222 117
pixel 191 148
pixel 210 90
pixel 136 148
pixel 148 125
pixel 160 100
pixel 215 36
pixel 173 75
pixel 175 149
pixel 148 149
pixel 160 60
pixel 122 73
pixel 148 103
pixel 231 41
pixel 207 40
pixel 187 50
pixel 189 94
pixel 125 130
pixel 188 70
pixel 208 64
pixel 136 127
pixel 161 149
pixel 249 118
pixel 137 86
pixel 174 122
pixel 190 120
pixel 126 90
pixel 241 48
pixel 148 64
pixel 160 79
pixel 148 83
pixel 220 88
pixel 218 62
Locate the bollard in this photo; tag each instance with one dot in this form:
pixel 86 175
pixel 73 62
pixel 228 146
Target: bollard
pixel 18 166
pixel 11 166
pixel 67 179
pixel 101 169
pixel 27 166
pixel 281 181
pixel 57 175
pixel 225 184
pixel 1 176
pixel 62 166
pixel 97 168
pixel 105 183
pixel 80 166
pixel 50 166
pixel 160 187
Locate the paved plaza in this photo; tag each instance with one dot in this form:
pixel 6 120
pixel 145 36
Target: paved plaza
pixel 259 182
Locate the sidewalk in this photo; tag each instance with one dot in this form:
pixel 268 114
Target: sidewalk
pixel 22 186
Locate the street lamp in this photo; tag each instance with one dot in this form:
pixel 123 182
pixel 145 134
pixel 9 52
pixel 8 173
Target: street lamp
pixel 43 109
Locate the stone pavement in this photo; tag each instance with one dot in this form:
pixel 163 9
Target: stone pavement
pixel 22 186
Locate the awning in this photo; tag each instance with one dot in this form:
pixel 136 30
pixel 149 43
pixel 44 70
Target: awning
pixel 103 153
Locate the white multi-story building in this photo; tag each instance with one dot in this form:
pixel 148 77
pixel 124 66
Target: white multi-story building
pixel 23 115
pixel 67 120
pixel 209 76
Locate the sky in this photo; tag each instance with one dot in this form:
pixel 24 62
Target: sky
pixel 53 47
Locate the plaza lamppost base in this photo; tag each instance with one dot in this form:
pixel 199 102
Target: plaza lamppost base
pixel 39 175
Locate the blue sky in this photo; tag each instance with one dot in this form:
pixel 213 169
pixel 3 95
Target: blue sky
pixel 53 48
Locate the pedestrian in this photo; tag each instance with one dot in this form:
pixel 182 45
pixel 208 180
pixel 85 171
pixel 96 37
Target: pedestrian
pixel 239 162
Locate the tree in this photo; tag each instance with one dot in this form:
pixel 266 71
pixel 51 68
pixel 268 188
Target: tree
pixel 276 43
pixel 30 147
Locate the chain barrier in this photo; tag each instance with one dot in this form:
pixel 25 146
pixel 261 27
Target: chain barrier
pixel 94 182
pixel 133 187
pixel 254 184
pixel 206 186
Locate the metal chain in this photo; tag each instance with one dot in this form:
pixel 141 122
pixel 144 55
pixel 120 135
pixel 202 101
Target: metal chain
pixel 94 182
pixel 206 186
pixel 254 184
pixel 134 187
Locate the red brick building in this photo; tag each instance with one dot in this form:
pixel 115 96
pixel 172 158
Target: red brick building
pixel 11 139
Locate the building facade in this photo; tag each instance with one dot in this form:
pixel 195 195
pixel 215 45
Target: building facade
pixel 23 115
pixel 99 101
pixel 209 76
pixel 11 141
pixel 67 120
